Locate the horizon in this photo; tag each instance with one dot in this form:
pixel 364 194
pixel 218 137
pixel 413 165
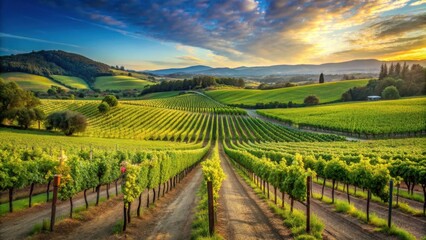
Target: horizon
pixel 153 36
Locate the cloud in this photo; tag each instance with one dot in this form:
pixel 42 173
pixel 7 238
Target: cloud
pixel 417 3
pixel 6 35
pixel 263 31
pixel 10 51
pixel 400 24
pixel 106 20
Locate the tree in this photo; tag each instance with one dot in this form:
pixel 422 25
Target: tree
pixel 17 104
pixel 111 100
pixel 321 78
pixel 103 107
pixel 68 121
pixel 311 100
pixel 390 92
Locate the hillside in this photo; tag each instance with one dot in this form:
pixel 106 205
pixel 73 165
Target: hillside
pixel 71 82
pixel 396 116
pixel 326 92
pixel 47 63
pixel 120 83
pixel 30 81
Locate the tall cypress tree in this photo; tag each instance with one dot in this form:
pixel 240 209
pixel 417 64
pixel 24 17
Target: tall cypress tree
pixel 398 70
pixel 381 74
pixel 321 78
pixel 392 70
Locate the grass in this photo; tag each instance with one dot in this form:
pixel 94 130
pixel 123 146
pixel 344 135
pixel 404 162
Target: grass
pixel 22 204
pixel 401 205
pixel 395 116
pixel 295 221
pixel 200 224
pixel 30 81
pixel 120 83
pixel 72 82
pixel 380 223
pixel 326 92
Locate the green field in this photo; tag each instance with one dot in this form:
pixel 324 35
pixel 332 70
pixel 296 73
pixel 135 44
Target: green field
pixel 326 92
pixel 396 116
pixel 157 95
pixel 73 82
pixel 30 81
pixel 120 83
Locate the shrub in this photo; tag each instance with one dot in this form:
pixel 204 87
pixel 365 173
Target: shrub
pixel 390 92
pixel 103 107
pixel 311 100
pixel 111 100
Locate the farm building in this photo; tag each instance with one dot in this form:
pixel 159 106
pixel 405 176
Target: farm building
pixel 374 98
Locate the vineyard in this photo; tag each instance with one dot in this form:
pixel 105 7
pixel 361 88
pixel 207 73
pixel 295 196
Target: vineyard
pixel 326 92
pixel 144 148
pixel 383 117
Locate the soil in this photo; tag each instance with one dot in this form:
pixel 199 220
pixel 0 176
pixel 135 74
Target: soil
pixel 18 225
pixel 172 216
pixel 242 215
pixel 414 225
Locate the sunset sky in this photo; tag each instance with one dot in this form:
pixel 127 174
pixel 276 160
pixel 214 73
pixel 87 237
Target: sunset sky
pixel 146 34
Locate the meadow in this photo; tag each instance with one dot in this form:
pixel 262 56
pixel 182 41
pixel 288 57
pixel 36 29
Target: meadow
pixel 30 81
pixel 72 82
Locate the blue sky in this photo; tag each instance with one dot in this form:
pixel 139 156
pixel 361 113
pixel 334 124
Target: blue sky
pixel 152 34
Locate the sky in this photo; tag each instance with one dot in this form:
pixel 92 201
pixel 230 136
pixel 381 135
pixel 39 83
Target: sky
pixel 157 34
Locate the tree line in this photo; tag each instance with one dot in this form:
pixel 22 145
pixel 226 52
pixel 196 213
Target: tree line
pixel 194 83
pixel 398 80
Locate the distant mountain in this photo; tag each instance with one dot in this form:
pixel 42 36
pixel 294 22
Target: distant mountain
pixel 192 69
pixel 354 66
pixel 46 63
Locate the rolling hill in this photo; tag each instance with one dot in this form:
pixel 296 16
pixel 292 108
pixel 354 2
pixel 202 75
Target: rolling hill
pixel 30 81
pixel 47 63
pixel 71 82
pixel 326 92
pixel 120 82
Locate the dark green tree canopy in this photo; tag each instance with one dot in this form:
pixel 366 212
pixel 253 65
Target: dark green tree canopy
pixel 321 78
pixel 18 104
pixel 390 92
pixel 103 107
pixel 68 121
pixel 311 100
pixel 111 100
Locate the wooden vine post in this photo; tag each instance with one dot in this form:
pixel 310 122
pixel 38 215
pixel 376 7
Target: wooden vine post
pixel 56 182
pixel 390 203
pixel 210 207
pixel 308 204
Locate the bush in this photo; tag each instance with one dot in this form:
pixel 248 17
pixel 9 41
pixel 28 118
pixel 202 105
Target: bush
pixel 111 100
pixel 68 121
pixel 311 100
pixel 390 92
pixel 103 107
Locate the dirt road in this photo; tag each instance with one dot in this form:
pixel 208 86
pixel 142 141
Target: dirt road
pixel 245 216
pixel 175 221
pixel 19 225
pixel 415 225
